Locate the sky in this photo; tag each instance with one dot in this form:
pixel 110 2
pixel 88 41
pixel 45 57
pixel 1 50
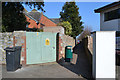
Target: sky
pixel 86 11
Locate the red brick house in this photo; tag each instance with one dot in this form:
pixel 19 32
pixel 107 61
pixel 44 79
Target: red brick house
pixel 38 20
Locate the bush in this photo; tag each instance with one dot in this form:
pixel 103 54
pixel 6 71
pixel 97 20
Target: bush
pixel 67 26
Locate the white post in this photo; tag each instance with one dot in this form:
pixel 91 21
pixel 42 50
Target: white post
pixel 104 54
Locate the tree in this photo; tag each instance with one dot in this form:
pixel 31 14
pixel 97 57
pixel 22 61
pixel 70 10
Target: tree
pixel 85 33
pixel 13 17
pixel 70 13
pixel 38 5
pixel 67 26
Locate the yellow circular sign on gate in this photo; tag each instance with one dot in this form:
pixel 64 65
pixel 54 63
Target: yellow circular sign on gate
pixel 47 42
pixel 37 33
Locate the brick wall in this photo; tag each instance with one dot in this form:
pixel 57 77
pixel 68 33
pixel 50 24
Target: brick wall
pixel 60 54
pixel 47 22
pixel 20 40
pixel 32 23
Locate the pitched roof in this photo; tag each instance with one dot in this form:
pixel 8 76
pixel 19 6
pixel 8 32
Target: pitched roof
pixel 25 10
pixel 34 14
pixel 34 10
pixel 107 6
pixel 49 19
pixel 56 20
pixel 31 17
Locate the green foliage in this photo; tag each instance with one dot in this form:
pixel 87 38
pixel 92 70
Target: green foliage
pixel 70 13
pixel 13 17
pixel 38 5
pixel 67 26
pixel 4 28
pixel 85 33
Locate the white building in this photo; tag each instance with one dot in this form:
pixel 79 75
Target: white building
pixel 109 17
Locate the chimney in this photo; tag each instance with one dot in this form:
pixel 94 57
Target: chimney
pixel 34 10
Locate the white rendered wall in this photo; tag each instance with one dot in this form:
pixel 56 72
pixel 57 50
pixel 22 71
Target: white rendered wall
pixel 111 25
pixel 104 54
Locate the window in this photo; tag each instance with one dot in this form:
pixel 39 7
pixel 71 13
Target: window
pixel 115 14
pixel 118 13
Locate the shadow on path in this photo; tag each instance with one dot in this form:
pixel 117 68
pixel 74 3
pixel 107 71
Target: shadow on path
pixel 82 66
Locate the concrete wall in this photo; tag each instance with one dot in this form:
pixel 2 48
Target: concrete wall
pixel 104 54
pixel 57 29
pixel 112 25
pixel 6 40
